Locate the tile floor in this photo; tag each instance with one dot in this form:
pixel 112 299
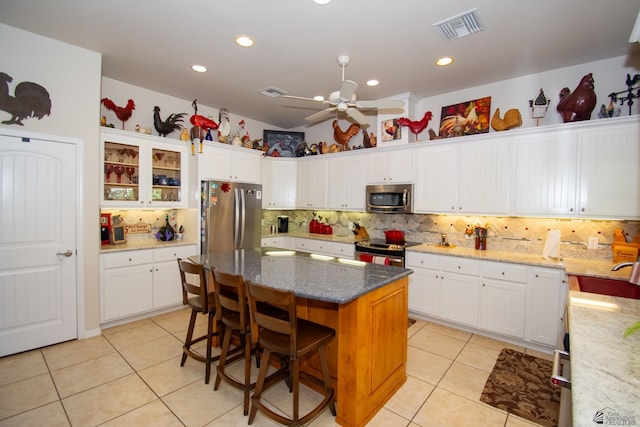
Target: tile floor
pixel 131 375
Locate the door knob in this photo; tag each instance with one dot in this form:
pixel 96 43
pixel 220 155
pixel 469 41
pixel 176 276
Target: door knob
pixel 66 253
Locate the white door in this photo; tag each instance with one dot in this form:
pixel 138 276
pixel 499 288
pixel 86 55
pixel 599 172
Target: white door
pixel 37 243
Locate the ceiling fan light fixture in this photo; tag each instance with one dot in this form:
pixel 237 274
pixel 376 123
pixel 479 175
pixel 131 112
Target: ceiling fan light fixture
pixel 318 98
pixel 199 68
pixel 372 82
pixel 342 106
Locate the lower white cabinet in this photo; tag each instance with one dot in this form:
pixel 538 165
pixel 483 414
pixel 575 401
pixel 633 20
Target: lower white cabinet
pixel 135 282
pixel 547 297
pixel 511 300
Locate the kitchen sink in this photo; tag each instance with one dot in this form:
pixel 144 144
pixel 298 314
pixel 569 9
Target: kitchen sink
pixel 600 285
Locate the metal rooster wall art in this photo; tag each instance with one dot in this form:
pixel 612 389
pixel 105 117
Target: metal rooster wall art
pixel 29 100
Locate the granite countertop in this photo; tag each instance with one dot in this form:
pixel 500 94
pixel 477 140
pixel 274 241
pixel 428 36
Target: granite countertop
pixel 572 266
pixel 143 244
pixel 605 367
pixel 314 277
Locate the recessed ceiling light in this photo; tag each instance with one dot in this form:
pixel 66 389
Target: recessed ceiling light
pixel 446 60
pixel 321 1
pixel 199 68
pixel 318 98
pixel 373 82
pixel 244 41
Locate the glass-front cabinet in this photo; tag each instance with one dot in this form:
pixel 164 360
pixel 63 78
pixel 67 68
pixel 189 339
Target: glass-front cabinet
pixel 142 171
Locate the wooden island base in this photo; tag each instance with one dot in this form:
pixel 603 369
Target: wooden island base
pixel 368 358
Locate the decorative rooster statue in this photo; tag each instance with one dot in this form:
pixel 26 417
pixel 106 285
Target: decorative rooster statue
pixel 416 126
pixel 200 125
pixel 512 119
pixel 343 137
pixel 165 127
pixel 577 106
pixel 122 113
pixel 30 100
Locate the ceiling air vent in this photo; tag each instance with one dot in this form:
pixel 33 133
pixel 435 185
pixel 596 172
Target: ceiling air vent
pixel 459 26
pixel 273 92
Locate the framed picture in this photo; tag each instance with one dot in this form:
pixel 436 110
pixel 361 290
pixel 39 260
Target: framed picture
pixel 279 143
pixel 118 235
pixel 391 130
pixel 466 118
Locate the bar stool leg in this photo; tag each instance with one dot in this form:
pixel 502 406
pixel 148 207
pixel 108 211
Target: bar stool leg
pixel 187 340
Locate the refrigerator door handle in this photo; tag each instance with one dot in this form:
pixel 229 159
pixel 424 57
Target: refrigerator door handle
pixel 236 217
pixel 243 217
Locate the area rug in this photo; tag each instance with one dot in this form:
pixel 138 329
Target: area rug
pixel 521 385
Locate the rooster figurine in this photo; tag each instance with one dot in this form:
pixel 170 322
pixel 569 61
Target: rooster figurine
pixel 343 137
pixel 577 106
pixel 122 113
pixel 165 127
pixel 416 126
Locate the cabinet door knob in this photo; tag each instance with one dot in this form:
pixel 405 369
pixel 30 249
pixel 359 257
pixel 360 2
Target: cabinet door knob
pixel 570 209
pixel 582 209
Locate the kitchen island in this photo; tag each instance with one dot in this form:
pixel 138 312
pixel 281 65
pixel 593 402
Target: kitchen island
pixel 366 304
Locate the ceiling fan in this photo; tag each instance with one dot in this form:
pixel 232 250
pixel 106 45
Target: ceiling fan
pixel 344 100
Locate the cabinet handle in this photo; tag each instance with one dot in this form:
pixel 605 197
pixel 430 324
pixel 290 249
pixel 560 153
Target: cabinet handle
pixel 129 259
pixel 570 209
pixel 151 270
pixel 582 209
pixel 483 285
pixel 459 267
pixel 537 275
pixel 156 268
pixel 453 208
pixel 503 273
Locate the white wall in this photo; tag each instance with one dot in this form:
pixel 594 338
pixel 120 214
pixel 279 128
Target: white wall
pixel 71 75
pixel 609 75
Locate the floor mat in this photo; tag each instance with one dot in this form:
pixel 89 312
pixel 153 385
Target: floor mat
pixel 521 385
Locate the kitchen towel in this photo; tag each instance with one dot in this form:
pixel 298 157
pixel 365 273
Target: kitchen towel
pixel 552 245
pixel 375 259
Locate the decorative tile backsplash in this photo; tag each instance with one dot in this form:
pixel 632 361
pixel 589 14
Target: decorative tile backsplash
pixel 513 234
pixel 144 220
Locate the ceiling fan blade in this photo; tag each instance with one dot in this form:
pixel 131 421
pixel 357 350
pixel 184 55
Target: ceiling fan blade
pixel 301 98
pixel 358 116
pixel 348 89
pixel 381 104
pixel 321 115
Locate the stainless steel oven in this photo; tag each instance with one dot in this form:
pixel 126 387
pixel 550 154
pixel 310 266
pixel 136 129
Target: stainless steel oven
pixel 390 198
pixel 380 249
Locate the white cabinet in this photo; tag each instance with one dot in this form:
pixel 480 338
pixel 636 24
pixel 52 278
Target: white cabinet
pixel 582 170
pixel 280 242
pixel 511 300
pixel 546 181
pixel 610 171
pixel 312 183
pixel 142 171
pixel 229 163
pixel 459 290
pixel 546 305
pixel 139 281
pixel 424 283
pixel 343 250
pixel 464 178
pixel 323 247
pixel 391 166
pixel 279 182
pixel 347 182
pixel 503 298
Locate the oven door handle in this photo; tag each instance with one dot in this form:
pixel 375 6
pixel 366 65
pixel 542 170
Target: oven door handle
pixel 556 375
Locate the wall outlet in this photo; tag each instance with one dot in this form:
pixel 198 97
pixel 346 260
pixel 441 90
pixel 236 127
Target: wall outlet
pixel 592 243
pixel 351 226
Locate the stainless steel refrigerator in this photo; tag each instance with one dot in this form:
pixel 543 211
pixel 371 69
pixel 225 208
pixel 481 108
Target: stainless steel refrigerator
pixel 231 216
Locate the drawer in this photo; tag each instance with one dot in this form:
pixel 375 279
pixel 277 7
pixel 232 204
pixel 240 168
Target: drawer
pixel 422 260
pixel 343 250
pixel 126 258
pixel 461 265
pixel 311 245
pixel 504 271
pixel 173 253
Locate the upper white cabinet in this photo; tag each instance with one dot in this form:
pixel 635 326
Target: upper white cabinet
pixel 583 170
pixel 279 183
pixel 547 173
pixel 312 183
pixel 347 182
pixel 142 171
pixel 391 166
pixel 464 178
pixel 610 171
pixel 229 163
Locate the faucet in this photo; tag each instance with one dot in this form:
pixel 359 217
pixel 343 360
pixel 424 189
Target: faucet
pixel 620 265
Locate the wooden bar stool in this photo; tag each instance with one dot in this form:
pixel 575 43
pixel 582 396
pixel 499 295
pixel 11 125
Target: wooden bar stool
pixel 197 295
pixel 292 338
pixel 231 304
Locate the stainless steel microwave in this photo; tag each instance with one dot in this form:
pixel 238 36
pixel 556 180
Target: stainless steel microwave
pixel 390 198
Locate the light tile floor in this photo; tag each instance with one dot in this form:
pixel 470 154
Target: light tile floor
pixel 131 376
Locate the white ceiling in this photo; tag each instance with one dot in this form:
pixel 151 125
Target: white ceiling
pixel 153 43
